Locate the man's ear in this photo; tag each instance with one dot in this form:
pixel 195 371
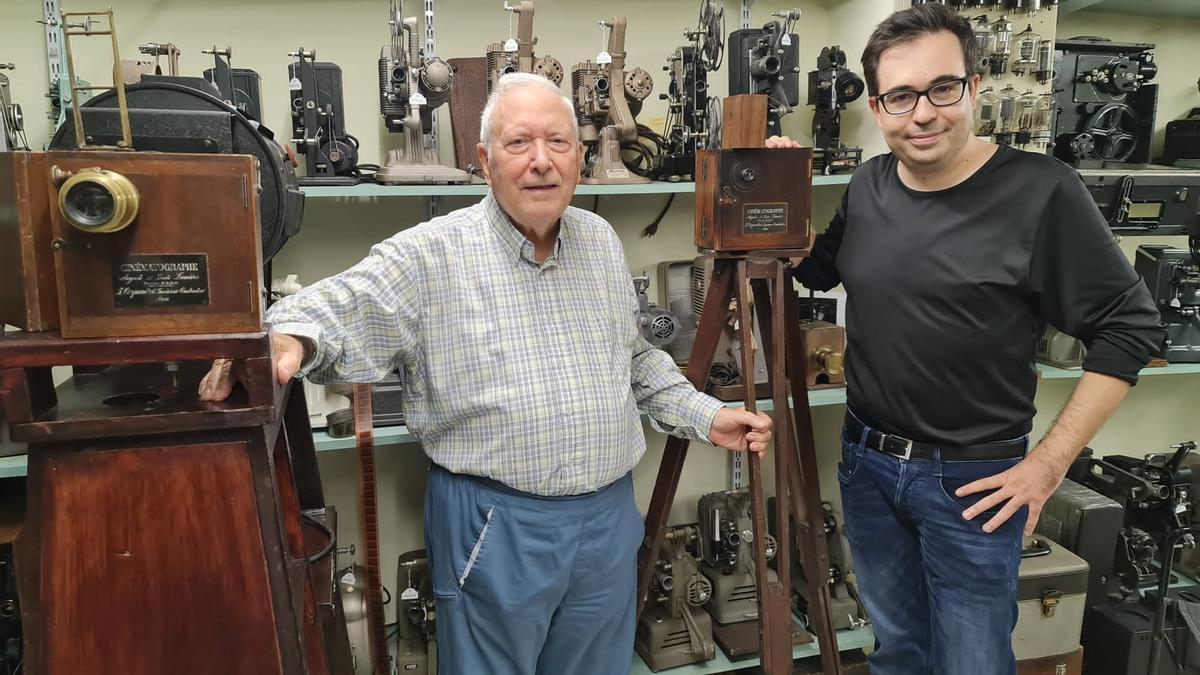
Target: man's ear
pixel 481 153
pixel 973 89
pixel 873 103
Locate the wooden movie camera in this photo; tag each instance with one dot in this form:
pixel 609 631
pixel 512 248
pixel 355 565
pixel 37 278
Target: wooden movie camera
pixel 118 244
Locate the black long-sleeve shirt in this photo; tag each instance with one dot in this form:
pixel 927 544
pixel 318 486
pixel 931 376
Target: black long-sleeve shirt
pixel 948 292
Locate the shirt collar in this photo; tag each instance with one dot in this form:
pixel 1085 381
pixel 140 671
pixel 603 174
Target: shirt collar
pixel 516 246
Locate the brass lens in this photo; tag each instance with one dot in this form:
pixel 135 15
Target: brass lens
pixel 95 200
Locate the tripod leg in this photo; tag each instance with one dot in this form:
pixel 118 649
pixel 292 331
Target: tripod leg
pixel 708 332
pixel 805 491
pixel 774 610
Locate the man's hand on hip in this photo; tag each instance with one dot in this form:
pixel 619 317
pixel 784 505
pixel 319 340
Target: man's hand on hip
pixel 1029 483
pixel 741 430
pixel 287 352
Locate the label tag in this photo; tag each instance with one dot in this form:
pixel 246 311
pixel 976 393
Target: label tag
pixel 160 280
pixel 764 218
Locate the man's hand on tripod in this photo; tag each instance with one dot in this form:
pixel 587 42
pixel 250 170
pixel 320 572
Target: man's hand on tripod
pixel 741 430
pixel 287 352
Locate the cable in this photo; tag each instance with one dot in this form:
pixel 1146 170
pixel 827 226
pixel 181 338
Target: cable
pixel 652 228
pixel 321 555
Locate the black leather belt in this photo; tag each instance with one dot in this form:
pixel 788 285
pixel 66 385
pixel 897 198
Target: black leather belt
pixel 906 448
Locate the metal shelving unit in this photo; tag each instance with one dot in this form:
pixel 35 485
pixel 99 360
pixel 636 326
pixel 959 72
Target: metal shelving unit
pixel 859 638
pixel 478 190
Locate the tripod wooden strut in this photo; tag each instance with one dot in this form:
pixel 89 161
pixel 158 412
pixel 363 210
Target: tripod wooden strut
pixel 761 279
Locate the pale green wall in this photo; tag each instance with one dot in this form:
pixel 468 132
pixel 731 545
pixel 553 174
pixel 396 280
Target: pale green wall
pixel 338 232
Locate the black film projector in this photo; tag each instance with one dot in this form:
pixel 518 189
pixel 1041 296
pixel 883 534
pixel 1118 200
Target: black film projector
pixel 693 117
pixel 767 61
pixel 240 87
pixel 1105 106
pixel 319 122
pixel 830 87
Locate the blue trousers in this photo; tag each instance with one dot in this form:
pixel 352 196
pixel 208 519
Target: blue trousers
pixel 529 585
pixel 940 592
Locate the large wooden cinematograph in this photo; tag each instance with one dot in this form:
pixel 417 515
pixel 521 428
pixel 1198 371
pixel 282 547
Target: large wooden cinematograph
pixel 163 534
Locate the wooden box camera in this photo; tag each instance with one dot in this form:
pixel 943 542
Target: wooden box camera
pixel 824 344
pixel 753 199
pixel 135 243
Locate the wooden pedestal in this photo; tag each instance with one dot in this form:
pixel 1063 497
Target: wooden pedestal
pixel 164 534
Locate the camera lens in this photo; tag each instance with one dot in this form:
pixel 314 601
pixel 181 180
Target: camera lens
pixel 89 205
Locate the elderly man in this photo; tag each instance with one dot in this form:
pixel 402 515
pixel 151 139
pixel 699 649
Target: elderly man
pixel 514 322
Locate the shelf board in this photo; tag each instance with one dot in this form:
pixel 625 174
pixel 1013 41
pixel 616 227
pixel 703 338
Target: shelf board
pixel 1053 373
pixel 374 190
pixel 13 467
pixel 400 434
pixel 1188 9
pixel 859 638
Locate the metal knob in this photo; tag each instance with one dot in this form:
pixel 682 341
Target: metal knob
pixel 828 360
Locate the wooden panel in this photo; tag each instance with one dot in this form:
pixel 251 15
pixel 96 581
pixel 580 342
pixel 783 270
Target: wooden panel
pixel 141 399
pixel 162 548
pixel 189 205
pixel 743 121
pixel 754 199
pixel 1067 664
pixel 27 295
pixel 51 349
pixel 467 99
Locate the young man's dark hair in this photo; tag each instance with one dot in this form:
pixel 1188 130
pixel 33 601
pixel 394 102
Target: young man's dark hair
pixel 907 25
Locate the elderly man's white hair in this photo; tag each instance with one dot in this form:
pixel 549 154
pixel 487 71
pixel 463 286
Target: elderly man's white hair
pixel 509 83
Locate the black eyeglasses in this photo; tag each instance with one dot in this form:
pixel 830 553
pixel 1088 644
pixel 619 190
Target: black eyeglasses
pixel 941 94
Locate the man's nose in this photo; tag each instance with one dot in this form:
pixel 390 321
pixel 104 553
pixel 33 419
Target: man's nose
pixel 540 159
pixel 925 112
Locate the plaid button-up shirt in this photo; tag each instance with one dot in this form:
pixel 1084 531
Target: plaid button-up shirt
pixel 532 375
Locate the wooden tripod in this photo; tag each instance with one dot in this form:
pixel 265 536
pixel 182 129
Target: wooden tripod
pixel 761 279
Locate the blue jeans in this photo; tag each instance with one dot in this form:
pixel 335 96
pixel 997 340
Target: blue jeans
pixel 529 585
pixel 941 594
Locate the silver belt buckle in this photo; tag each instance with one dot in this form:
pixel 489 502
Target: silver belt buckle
pixel 908 446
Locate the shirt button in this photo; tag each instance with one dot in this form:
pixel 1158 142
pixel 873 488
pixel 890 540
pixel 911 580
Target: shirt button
pixel 568 412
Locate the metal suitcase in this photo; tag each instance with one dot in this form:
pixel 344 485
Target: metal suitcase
pixel 1051 598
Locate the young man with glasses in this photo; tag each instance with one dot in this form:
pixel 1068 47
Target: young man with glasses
pixel 954 252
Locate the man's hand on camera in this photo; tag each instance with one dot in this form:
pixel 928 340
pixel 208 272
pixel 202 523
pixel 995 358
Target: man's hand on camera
pixel 781 142
pixel 287 352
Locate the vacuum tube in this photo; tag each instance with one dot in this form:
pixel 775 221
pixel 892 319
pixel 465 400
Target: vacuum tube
pixel 1006 124
pixel 985 41
pixel 987 112
pixel 1043 124
pixel 1002 30
pixel 1044 69
pixel 1026 117
pixel 1025 55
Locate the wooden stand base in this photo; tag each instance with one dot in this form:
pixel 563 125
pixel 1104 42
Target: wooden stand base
pixel 164 534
